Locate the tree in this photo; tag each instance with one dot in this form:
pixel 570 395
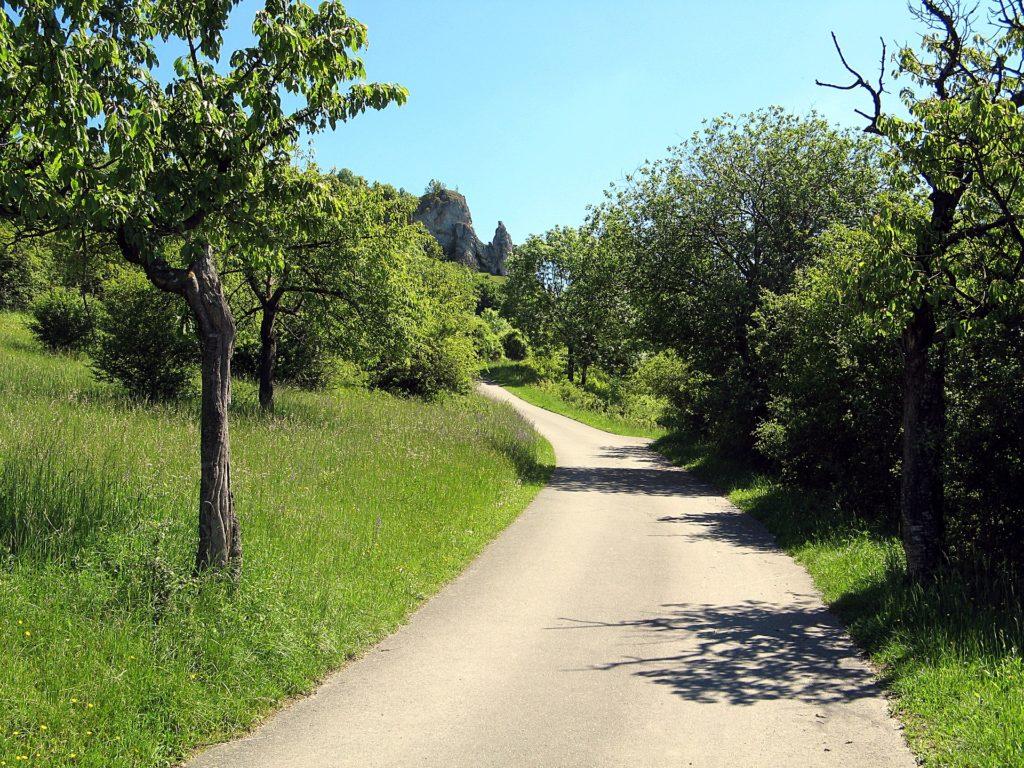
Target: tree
pixel 727 215
pixel 91 134
pixel 563 289
pixel 329 248
pixel 951 248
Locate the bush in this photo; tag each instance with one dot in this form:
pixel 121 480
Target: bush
pixel 515 346
pixel 486 342
pixel 437 365
pixel 61 320
pixel 143 342
pixel 833 402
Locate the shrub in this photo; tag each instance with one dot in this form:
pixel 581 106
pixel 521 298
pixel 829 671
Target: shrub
pixel 486 342
pixel 61 320
pixel 143 342
pixel 435 366
pixel 832 385
pixel 515 346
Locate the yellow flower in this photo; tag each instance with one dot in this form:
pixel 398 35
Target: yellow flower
pixel 20 621
pixel 88 733
pixel 42 727
pixel 27 634
pixel 74 700
pixel 89 705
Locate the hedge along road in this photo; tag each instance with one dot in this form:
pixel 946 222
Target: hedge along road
pixel 629 617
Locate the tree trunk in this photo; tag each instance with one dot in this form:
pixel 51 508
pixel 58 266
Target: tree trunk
pixel 268 357
pixel 583 375
pixel 220 543
pixel 924 416
pixel 570 368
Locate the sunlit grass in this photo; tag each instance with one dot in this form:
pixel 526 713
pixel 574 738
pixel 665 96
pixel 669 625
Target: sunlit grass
pixel 355 506
pixel 520 381
pixel 954 665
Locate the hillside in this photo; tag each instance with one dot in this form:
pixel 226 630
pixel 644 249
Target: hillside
pixel 356 505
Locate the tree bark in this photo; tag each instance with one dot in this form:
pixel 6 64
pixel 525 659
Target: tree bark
pixel 268 356
pixel 220 542
pixel 570 368
pixel 583 375
pixel 924 417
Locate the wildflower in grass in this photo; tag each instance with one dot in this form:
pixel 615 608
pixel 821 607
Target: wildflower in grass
pixel 42 727
pixel 28 633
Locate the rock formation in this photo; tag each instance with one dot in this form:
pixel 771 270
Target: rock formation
pixel 446 216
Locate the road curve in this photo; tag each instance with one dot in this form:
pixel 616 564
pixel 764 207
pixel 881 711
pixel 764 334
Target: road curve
pixel 629 617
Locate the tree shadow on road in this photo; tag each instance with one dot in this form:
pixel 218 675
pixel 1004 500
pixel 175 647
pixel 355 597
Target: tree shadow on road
pixel 741 654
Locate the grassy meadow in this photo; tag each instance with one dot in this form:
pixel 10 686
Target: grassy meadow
pixel 355 507
pixel 521 380
pixel 954 665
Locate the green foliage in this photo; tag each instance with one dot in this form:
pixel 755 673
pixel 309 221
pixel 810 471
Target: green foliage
pixel 129 660
pixel 62 320
pixel 514 345
pixel 486 343
pixel 489 292
pixel 24 269
pixel 143 342
pixel 564 290
pixel 430 350
pixel 727 215
pixel 832 381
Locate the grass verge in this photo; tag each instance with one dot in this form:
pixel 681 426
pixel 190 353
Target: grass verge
pixel 954 666
pixel 355 507
pixel 521 380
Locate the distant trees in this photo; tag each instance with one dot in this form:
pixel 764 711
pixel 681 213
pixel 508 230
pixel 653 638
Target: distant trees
pixel 950 252
pixel 564 289
pixel 92 136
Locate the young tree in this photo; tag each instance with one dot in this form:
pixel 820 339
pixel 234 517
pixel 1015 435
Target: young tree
pixel 951 247
pixel 91 134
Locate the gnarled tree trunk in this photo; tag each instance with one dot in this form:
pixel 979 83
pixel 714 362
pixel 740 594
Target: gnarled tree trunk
pixel 220 542
pixel 924 417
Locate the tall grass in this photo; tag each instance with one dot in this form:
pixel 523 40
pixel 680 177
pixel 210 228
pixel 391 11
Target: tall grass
pixel 951 658
pixel 355 506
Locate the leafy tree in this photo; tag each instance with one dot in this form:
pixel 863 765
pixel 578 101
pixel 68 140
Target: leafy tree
pixel 951 247
pixel 328 252
pixel 91 134
pixel 727 215
pixel 564 289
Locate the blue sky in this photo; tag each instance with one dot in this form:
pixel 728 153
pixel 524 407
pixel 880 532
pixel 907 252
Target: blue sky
pixel 531 107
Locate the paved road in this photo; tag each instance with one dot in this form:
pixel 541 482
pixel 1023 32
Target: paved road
pixel 629 617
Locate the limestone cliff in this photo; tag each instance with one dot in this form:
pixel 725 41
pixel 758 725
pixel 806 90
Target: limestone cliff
pixel 446 216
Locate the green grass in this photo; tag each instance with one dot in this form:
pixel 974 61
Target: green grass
pixel 355 507
pixel 522 380
pixel 954 666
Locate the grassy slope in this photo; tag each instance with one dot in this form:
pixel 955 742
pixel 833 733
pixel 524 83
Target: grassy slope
pixel 520 381
pixel 355 507
pixel 956 669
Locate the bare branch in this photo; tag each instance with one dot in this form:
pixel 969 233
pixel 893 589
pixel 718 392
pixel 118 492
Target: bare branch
pixel 875 90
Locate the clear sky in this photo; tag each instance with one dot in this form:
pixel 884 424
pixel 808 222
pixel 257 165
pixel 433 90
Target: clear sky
pixel 531 107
